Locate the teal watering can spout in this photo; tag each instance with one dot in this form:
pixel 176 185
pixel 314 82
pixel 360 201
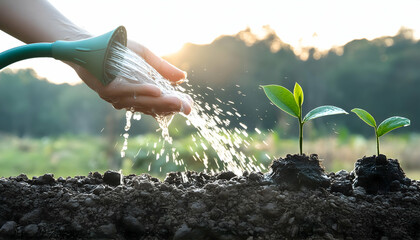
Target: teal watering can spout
pixel 91 53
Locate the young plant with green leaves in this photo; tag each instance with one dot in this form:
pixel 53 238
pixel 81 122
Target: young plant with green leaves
pixel 386 126
pixel 291 103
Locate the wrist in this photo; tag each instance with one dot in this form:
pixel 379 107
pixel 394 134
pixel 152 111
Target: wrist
pixel 77 35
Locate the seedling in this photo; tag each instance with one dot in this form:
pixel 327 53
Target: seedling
pixel 291 103
pixel 386 126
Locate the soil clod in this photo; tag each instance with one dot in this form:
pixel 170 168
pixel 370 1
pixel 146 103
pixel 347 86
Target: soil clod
pixel 47 178
pixel 133 225
pixel 226 175
pixel 112 178
pixel 8 229
pixel 342 182
pixel 31 230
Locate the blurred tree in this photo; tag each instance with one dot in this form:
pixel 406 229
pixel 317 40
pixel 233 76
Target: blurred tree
pixel 380 75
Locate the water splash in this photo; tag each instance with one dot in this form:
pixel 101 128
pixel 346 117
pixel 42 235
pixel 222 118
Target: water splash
pixel 164 122
pixel 127 127
pixel 125 145
pixel 212 128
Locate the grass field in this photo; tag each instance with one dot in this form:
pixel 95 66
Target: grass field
pixel 79 155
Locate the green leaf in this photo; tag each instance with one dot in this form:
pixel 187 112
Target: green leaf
pixel 392 123
pixel 323 111
pixel 282 98
pixel 298 94
pixel 365 116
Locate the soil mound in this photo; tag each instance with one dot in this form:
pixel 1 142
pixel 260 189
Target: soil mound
pixel 379 174
pixel 296 171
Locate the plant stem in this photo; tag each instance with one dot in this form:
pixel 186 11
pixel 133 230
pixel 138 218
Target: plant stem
pixel 377 141
pixel 300 135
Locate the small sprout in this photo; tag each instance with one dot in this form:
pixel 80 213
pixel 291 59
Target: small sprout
pixel 291 103
pixel 386 126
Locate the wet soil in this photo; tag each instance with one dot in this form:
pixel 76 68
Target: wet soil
pixel 195 205
pixel 296 171
pixel 379 174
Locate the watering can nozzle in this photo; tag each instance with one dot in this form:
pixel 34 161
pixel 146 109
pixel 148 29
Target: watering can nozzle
pixel 91 53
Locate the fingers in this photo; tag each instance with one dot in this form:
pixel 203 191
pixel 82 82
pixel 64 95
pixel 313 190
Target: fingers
pixel 166 69
pixel 145 98
pixel 154 105
pixel 126 89
pixel 187 105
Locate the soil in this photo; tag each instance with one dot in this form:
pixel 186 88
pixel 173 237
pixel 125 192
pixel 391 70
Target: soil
pixel 379 174
pixel 296 171
pixel 191 205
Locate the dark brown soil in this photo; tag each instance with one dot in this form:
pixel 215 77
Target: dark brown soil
pixel 296 171
pixel 379 174
pixel 200 206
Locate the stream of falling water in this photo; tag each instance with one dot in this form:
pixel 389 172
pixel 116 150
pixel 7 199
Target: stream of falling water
pixel 212 129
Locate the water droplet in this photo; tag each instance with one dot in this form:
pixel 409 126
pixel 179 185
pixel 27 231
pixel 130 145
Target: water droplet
pixel 137 116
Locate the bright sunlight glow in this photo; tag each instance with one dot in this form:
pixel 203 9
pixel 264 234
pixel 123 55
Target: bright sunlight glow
pixel 164 26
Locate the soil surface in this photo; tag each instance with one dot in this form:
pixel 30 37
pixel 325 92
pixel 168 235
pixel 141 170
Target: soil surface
pixel 195 205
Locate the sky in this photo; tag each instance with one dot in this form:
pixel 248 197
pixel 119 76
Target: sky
pixel 164 26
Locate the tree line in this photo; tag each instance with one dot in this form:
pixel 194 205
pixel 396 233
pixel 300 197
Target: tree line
pixel 379 75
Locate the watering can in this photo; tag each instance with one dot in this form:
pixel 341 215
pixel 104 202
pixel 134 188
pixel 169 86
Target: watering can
pixel 91 53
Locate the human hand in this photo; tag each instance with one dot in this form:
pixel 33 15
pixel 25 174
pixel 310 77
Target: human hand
pixel 140 97
pixel 49 25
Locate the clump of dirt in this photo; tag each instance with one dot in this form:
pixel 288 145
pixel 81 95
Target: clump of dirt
pixel 379 174
pixel 296 171
pixel 342 182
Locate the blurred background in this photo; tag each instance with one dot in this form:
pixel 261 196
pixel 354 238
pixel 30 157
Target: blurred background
pixel 51 122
